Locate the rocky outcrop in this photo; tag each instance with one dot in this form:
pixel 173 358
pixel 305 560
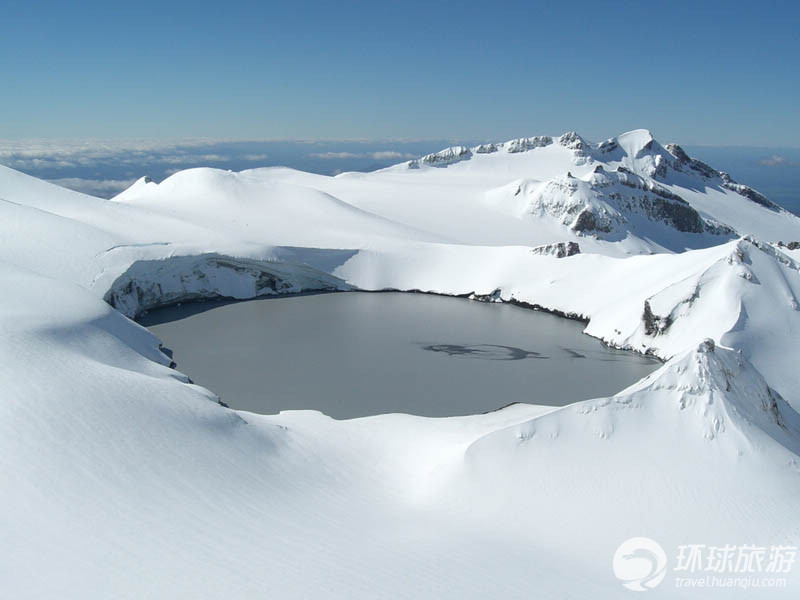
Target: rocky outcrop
pixel 607 147
pixel 455 154
pixel 747 192
pixel 603 201
pixel 684 163
pixel 443 158
pixel 485 149
pixel 654 324
pixel 591 221
pixel 574 142
pixel 528 143
pixel 557 250
pixel 635 152
pixel 789 245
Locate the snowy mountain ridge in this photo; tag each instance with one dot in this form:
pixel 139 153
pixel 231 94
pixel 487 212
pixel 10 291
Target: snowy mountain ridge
pixel 605 202
pixel 713 391
pixel 636 150
pixel 681 202
pixel 109 459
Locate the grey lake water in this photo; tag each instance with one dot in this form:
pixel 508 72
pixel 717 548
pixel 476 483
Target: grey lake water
pixel 355 354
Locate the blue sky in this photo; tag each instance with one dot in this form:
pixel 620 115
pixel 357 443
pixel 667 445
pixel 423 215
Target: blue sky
pixel 717 73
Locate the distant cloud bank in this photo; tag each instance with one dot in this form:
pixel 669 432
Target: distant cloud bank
pixel 380 155
pixel 778 160
pixel 106 167
pixel 104 188
pixel 41 154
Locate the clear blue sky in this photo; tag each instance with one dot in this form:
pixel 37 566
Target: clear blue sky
pixel 695 72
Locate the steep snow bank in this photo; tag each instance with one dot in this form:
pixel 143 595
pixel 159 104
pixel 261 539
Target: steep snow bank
pixel 151 283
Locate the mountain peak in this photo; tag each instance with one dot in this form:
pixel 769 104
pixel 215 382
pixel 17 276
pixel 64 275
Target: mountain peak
pixel 637 142
pixel 136 187
pixel 573 141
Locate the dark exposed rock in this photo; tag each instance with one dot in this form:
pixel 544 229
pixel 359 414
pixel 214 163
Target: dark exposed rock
pixel 575 143
pixel 587 221
pixel 717 228
pixel 485 149
pixel 654 324
pixel 639 183
pixel 494 296
pixel 678 153
pixel 683 161
pixel 607 146
pixel 611 205
pixel 443 158
pixel 525 144
pixel 557 250
pixel 552 311
pixel 680 216
pixel 267 281
pixel 707 346
pixel 750 194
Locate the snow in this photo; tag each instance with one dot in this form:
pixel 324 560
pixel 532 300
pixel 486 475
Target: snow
pixel 120 478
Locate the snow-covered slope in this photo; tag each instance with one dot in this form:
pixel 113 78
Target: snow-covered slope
pixel 252 208
pixel 647 461
pixel 613 206
pixel 743 290
pixel 120 478
pixel 656 197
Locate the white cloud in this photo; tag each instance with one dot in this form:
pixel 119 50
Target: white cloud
pixel 777 160
pixel 183 158
pixel 380 155
pixel 103 188
pixel 64 154
pixel 773 160
pixel 335 155
pixel 391 154
pixel 105 167
pixel 40 155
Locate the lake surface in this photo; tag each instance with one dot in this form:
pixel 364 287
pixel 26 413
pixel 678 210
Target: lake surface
pixel 354 354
